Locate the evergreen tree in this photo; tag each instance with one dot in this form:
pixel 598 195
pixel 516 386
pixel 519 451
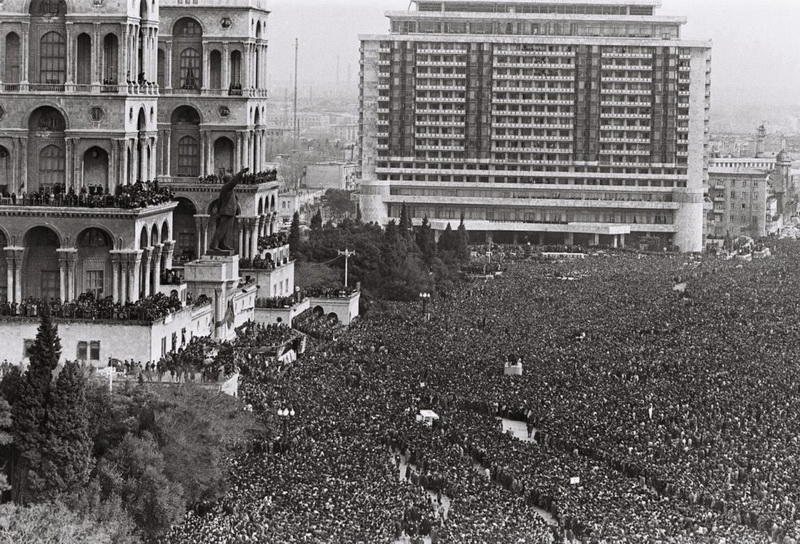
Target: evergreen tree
pixel 446 242
pixel 405 220
pixel 316 221
pixel 294 234
pixel 390 235
pixel 358 213
pixel 462 241
pixel 425 240
pixel 67 459
pixel 29 412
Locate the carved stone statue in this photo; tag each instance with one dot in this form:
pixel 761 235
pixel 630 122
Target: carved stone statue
pixel 224 216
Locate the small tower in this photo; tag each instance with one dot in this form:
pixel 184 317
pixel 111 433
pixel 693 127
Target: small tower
pixel 761 138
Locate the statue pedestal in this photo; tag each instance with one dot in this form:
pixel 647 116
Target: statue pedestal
pixel 215 277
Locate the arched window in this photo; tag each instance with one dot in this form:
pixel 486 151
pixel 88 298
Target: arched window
pixel 84 67
pixel 110 54
pixel 53 59
pixel 12 59
pixel 190 68
pixel 188 157
pixel 216 69
pixel 236 70
pixel 187 28
pixel 51 166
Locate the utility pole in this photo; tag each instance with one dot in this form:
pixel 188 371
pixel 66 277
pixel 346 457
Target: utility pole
pixel 346 254
pixel 295 126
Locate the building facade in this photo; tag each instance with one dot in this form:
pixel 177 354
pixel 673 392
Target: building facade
pixel 568 122
pixel 739 197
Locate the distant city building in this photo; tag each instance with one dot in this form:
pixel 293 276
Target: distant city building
pixel 569 122
pixel 330 175
pixel 739 197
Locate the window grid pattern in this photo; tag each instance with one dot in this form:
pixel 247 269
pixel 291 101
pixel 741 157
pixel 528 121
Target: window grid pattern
pixel 53 59
pixel 190 68
pixel 188 157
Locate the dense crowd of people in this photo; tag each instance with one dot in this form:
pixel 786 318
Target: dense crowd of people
pixel 246 178
pixel 656 413
pixel 138 195
pixel 87 306
pixel 272 241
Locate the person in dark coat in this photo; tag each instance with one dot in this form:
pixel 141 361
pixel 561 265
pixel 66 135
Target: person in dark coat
pixel 227 205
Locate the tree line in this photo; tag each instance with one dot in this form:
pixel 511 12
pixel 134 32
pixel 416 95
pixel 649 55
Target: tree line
pixel 118 467
pixel 395 263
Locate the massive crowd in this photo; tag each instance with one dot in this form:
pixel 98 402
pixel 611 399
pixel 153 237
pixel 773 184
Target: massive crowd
pixel 660 392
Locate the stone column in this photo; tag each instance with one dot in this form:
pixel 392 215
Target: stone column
pixel 115 276
pixel 203 153
pixel 167 145
pixel 253 227
pixel 62 275
pixel 237 153
pixel 10 266
pixel 569 239
pixel 153 157
pixel 226 65
pixel 246 248
pixel 240 238
pixel 621 240
pixel 70 57
pixel 146 264
pixel 25 64
pixel 201 223
pixel 123 278
pixel 167 254
pixel 143 166
pixel 168 67
pixel 595 240
pixel 97 52
pixel 72 277
pixel 156 260
pixel 18 263
pixel 135 264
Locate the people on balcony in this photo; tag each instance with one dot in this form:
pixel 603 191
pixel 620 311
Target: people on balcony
pixel 139 195
pixel 247 179
pixel 86 306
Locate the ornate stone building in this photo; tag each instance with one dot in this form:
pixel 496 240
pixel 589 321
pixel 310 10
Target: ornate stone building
pixel 96 95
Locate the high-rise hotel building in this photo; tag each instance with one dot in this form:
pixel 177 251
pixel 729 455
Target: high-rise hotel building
pixel 569 121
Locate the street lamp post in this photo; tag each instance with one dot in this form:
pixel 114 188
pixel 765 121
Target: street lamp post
pixel 424 297
pixel 346 254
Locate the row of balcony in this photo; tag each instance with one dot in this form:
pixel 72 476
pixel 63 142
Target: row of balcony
pixel 139 89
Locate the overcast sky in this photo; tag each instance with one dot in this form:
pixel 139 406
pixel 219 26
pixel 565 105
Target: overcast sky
pixel 756 49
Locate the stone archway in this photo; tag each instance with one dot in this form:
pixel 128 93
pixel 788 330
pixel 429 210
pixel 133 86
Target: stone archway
pixel 41 279
pixel 185 144
pixel 94 262
pixel 95 169
pixel 185 235
pixel 46 149
pixel 223 155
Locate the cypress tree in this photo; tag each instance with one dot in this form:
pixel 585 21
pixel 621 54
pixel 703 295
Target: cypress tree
pixel 425 240
pixel 67 455
pixel 316 221
pixel 294 234
pixel 405 219
pixel 358 213
pixel 462 241
pixel 29 412
pixel 446 242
